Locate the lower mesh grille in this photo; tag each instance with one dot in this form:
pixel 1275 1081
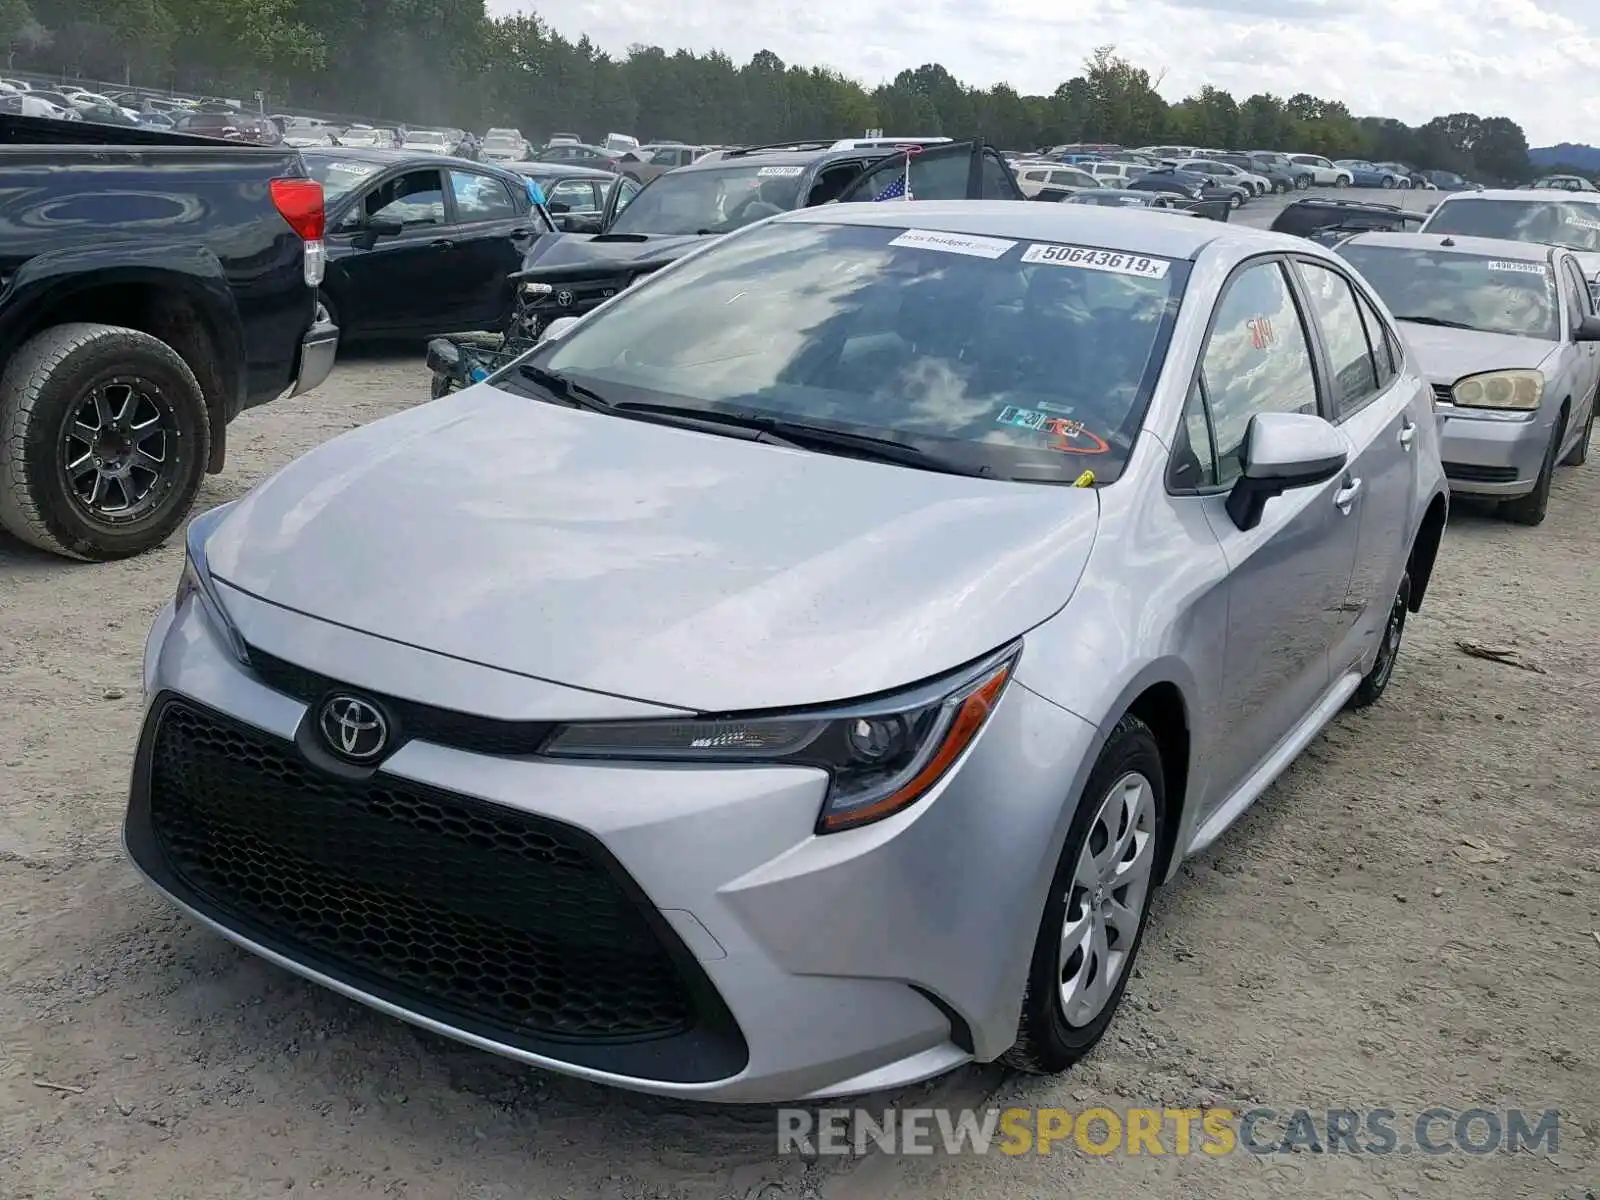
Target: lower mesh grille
pixel 492 917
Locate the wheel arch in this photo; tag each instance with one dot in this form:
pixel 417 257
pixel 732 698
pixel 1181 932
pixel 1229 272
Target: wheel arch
pixel 1425 548
pixel 193 314
pixel 1162 707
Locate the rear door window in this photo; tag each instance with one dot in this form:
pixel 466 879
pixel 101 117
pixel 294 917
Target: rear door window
pixel 479 198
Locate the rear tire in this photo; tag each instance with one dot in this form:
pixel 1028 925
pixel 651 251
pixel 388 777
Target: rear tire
pixel 1301 183
pixel 1535 506
pixel 1236 200
pixel 1388 182
pixel 104 437
pixel 1046 1042
pixel 1376 681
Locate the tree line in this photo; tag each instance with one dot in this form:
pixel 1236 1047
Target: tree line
pixel 447 62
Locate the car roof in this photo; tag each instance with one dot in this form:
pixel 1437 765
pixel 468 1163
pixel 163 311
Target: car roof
pixel 567 170
pixel 1090 224
pixel 1526 195
pixel 1454 243
pixel 800 155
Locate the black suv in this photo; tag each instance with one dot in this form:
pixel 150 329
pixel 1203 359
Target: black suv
pixel 1326 221
pixel 568 274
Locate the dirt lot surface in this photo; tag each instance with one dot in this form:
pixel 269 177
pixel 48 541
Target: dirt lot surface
pixel 1406 919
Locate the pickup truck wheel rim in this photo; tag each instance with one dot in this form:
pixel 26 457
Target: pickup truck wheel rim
pixel 1109 887
pixel 119 455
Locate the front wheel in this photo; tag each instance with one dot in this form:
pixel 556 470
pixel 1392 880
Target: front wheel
pixel 1535 506
pixel 1099 901
pixel 1236 200
pixel 1388 182
pixel 1579 454
pixel 1344 181
pixel 107 436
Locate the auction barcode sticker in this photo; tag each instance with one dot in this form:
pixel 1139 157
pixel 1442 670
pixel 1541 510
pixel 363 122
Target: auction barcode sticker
pixel 1526 267
pixel 1116 262
pixel 780 172
pixel 953 243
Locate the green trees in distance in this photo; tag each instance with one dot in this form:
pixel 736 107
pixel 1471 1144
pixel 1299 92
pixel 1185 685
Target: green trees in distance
pixel 446 62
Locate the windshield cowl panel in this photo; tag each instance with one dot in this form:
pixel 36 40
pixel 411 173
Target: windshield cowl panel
pixel 1008 359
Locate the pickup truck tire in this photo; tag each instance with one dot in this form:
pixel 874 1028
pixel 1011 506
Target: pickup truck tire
pixel 104 436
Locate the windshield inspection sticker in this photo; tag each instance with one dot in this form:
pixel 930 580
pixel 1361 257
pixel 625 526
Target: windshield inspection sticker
pixel 1066 435
pixel 1582 223
pixel 1114 261
pixel 953 243
pixel 780 172
pixel 1525 267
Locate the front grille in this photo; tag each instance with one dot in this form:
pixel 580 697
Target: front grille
pixel 497 919
pixel 1471 473
pixel 1443 393
pixel 442 726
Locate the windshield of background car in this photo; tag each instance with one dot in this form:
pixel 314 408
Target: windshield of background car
pixel 1575 226
pixel 1028 360
pixel 1478 291
pixel 501 141
pixel 712 200
pixel 426 139
pixel 338 176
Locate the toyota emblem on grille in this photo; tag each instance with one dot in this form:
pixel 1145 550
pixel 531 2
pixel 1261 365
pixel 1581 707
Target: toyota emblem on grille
pixel 353 728
pixel 564 298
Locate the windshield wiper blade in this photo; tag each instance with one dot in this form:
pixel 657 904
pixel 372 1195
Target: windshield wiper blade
pixel 574 394
pixel 800 435
pixel 1438 321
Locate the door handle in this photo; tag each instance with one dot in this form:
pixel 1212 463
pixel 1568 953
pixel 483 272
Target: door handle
pixel 1346 496
pixel 442 244
pixel 520 232
pixel 1408 434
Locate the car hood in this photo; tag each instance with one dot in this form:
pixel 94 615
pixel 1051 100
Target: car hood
pixel 683 568
pixel 1446 355
pixel 572 256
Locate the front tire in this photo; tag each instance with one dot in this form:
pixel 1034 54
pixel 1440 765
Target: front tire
pixel 1376 681
pixel 1579 454
pixel 106 434
pixel 1388 182
pixel 1535 506
pixel 1099 903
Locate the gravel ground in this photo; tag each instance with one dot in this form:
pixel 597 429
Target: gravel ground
pixel 1406 919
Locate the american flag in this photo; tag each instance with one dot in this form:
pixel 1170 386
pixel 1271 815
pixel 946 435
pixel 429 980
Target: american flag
pixel 894 191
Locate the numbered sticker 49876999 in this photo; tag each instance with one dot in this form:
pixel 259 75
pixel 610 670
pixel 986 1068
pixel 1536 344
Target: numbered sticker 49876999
pixel 1118 262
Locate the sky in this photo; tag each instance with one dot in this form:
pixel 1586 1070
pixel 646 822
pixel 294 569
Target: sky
pixel 1535 61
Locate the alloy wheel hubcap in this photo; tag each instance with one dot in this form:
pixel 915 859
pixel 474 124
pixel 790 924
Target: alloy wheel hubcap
pixel 119 450
pixel 1106 898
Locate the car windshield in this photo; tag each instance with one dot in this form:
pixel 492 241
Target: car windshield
pixel 1025 361
pixel 426 139
pixel 338 176
pixel 501 141
pixel 1106 196
pixel 1454 289
pixel 1576 226
pixel 713 200
pixel 665 157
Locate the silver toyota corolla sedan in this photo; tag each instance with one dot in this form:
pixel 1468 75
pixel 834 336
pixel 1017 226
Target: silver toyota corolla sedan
pixel 793 679
pixel 1506 334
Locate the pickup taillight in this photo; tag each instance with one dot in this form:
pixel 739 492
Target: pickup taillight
pixel 300 203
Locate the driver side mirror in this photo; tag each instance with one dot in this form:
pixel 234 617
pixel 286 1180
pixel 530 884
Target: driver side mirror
pixel 1283 451
pixel 368 230
pixel 1588 330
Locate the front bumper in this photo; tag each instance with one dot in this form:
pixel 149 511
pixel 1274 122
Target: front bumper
pixel 1495 454
pixel 853 962
pixel 318 349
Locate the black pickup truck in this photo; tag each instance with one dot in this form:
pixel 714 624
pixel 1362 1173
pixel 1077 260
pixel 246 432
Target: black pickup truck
pixel 152 287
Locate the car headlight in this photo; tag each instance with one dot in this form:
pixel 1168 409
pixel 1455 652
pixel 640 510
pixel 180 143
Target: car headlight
pixel 195 583
pixel 881 756
pixel 1500 389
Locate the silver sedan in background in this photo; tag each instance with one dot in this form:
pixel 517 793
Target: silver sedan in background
pixel 1506 334
pixel 795 678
